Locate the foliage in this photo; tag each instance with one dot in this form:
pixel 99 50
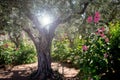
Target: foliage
pixel 94 57
pixel 91 59
pixel 5 53
pixel 75 52
pixel 91 52
pixel 115 34
pixel 95 51
pixel 60 50
pixel 25 54
pixel 11 55
pixel 114 60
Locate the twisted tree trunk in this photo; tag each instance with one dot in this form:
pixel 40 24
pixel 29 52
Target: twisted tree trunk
pixel 43 48
pixel 44 58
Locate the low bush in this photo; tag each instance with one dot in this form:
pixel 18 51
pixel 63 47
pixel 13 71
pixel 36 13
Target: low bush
pixel 11 55
pixel 25 54
pixel 60 50
pixel 6 52
pixel 95 53
pixel 90 55
pixel 113 72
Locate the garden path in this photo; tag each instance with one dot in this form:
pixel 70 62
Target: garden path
pixel 21 72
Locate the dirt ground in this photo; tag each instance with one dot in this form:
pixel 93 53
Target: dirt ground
pixel 21 72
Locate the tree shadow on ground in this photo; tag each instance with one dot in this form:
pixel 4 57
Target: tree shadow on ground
pixel 14 75
pixel 23 72
pixel 25 75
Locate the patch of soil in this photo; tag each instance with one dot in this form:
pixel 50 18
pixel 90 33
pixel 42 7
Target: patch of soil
pixel 22 72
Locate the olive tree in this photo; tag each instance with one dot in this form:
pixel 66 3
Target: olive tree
pixel 30 14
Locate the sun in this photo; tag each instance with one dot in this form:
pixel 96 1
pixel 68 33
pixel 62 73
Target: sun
pixel 45 20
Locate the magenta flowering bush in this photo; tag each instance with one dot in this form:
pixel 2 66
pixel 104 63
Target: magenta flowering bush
pixel 95 51
pixel 94 57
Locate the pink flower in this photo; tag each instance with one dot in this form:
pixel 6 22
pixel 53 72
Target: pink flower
pixel 89 19
pixel 84 48
pixel 96 20
pixel 99 30
pixel 97 17
pixel 106 40
pixel 97 14
pixel 103 28
pixel 105 55
pixel 102 35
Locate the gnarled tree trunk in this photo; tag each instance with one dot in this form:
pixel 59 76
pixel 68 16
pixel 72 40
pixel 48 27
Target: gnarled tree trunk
pixel 43 48
pixel 44 58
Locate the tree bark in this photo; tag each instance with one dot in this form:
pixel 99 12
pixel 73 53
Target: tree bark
pixel 44 63
pixel 15 39
pixel 43 48
pixel 44 59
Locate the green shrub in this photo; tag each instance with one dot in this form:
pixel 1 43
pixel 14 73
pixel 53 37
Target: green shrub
pixel 115 35
pixel 94 57
pixel 75 52
pixel 25 54
pixel 6 53
pixel 60 50
pixel 10 55
pixel 114 61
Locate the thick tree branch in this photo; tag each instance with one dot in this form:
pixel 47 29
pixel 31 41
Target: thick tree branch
pixel 32 17
pixel 59 21
pixel 30 35
pixel 34 20
pixel 13 40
